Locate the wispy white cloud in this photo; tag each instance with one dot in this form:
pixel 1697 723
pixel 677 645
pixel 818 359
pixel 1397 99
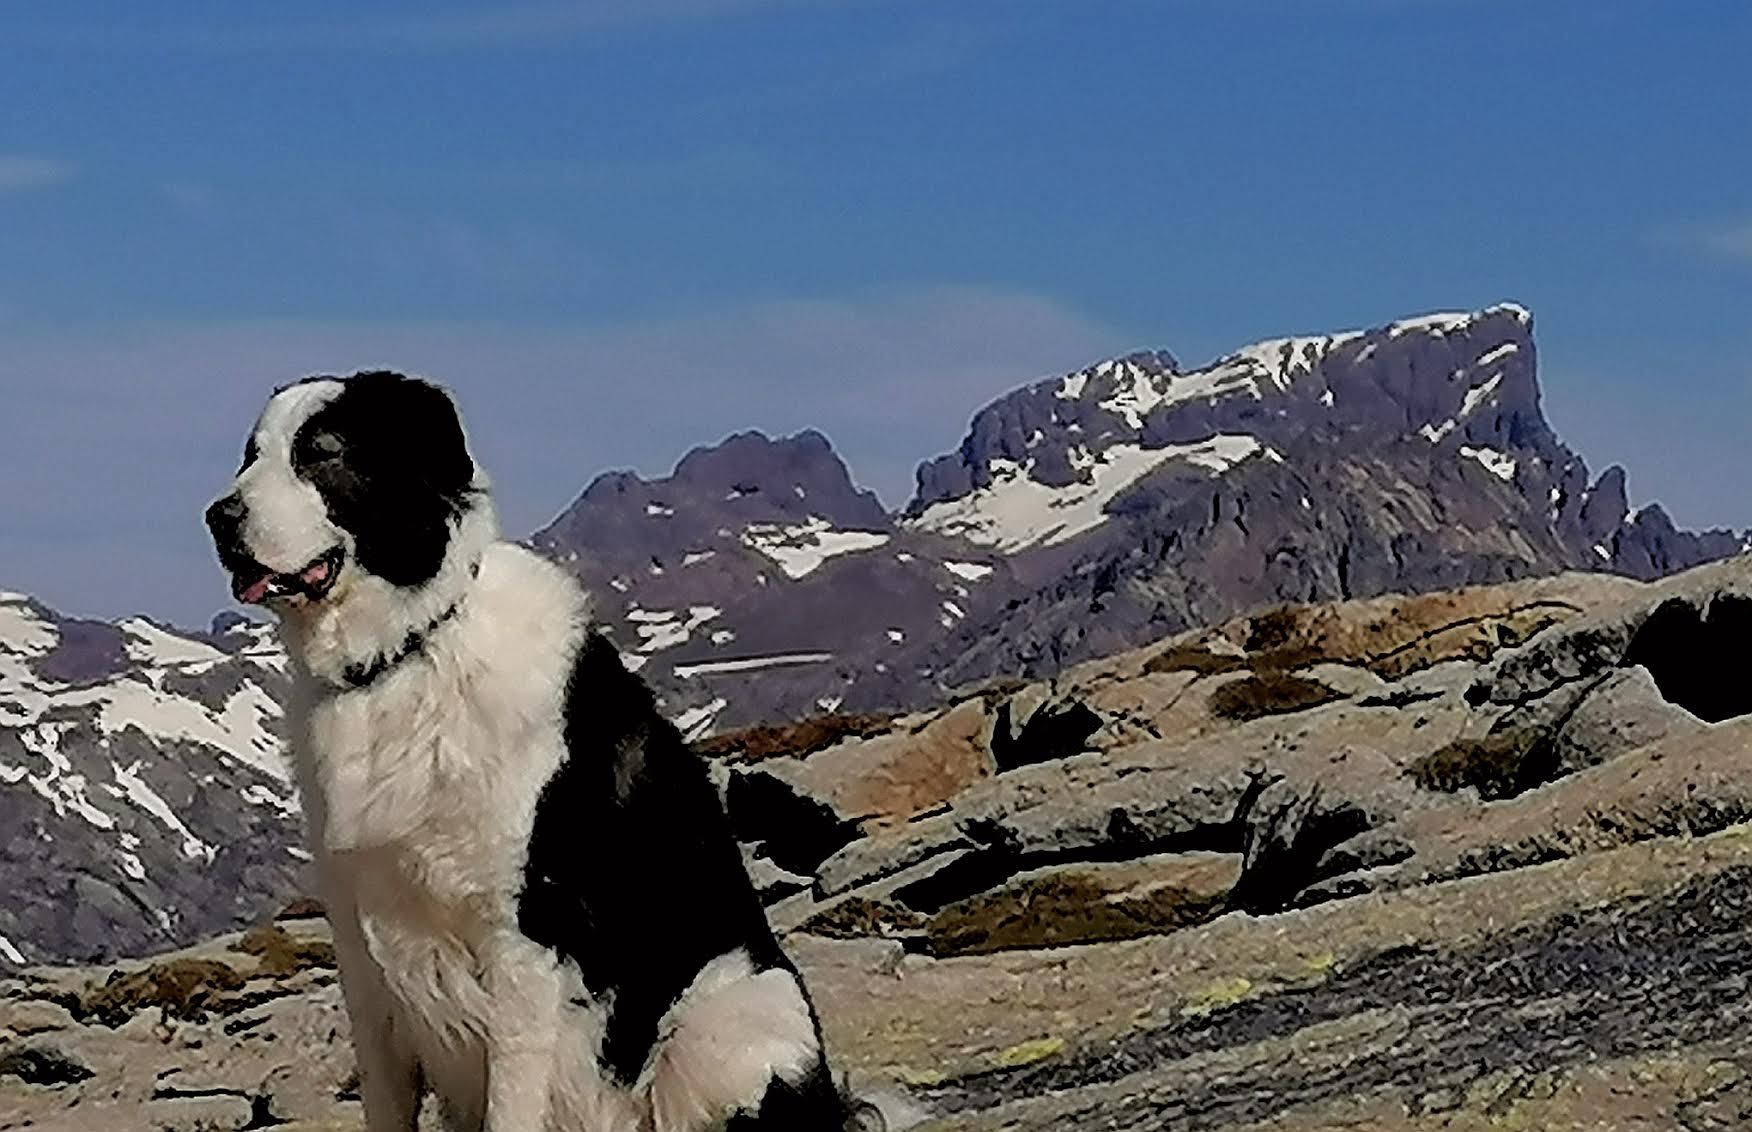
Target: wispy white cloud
pixel 20 172
pixel 1723 239
pixel 193 196
pixel 1732 240
pixel 892 378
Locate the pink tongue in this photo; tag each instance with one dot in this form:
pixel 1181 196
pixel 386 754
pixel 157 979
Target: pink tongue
pixel 256 592
pixel 315 574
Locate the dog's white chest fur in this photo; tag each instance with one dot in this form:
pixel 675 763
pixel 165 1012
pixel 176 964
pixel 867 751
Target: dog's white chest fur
pixel 420 791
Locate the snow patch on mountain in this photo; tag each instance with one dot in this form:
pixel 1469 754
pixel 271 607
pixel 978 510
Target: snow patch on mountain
pixel 1281 360
pixel 140 793
pixel 971 571
pixel 695 722
pixel 149 644
pixel 22 630
pixel 800 548
pixel 1016 512
pixel 667 628
pixel 1451 322
pixel 750 664
pixel 1499 464
pixel 57 782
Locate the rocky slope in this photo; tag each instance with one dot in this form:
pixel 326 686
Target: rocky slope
pixel 143 797
pixel 1092 512
pixel 757 582
pixel 1473 859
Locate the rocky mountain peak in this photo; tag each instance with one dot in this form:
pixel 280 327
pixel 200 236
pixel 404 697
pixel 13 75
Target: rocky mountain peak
pixel 798 475
pixel 1456 379
pixel 746 478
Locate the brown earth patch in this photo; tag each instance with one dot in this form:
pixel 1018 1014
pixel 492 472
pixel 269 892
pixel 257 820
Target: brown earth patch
pixel 1495 766
pixel 792 740
pixel 862 917
pixel 185 989
pixel 281 955
pixel 1189 657
pixel 1269 693
pixel 1060 911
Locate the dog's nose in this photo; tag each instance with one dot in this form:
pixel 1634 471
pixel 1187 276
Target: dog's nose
pixel 225 519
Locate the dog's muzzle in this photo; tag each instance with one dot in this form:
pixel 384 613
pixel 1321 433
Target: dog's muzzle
pixel 253 583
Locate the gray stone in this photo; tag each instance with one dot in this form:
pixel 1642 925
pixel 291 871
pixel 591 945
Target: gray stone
pixel 205 1113
pixel 43 1064
pixel 34 1016
pixel 873 858
pixel 771 882
pixel 1624 712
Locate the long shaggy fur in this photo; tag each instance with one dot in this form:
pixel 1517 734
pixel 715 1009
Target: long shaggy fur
pixel 539 912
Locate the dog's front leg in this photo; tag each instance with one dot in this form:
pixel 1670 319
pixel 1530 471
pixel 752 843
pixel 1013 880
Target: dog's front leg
pixel 389 1074
pixel 524 986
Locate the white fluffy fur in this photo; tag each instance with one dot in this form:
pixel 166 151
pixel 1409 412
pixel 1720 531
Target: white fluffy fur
pixel 420 790
pixel 287 524
pixel 731 1032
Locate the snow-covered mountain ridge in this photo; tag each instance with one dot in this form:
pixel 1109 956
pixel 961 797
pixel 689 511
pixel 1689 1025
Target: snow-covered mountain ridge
pixel 144 797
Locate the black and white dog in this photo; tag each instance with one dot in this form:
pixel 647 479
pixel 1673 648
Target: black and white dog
pixel 539 911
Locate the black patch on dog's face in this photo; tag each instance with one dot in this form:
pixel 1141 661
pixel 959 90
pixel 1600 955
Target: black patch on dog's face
pixel 388 457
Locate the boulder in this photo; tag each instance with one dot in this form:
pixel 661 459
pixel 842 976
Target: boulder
pixel 1626 710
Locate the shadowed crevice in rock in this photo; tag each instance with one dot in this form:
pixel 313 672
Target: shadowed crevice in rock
pixel 796 832
pixel 43 1066
pixel 998 860
pixel 1583 986
pixel 1288 833
pixel 1054 731
pixel 1696 656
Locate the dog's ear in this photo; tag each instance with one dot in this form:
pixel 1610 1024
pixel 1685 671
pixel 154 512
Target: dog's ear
pixel 420 426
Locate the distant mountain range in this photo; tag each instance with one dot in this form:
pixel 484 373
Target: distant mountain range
pixel 1091 512
pixel 143 800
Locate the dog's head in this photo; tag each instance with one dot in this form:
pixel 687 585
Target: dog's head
pixel 346 482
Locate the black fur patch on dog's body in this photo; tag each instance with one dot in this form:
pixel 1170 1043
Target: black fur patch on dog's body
pixel 811 1103
pixel 633 875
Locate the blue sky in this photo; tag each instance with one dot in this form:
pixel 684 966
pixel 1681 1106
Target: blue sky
pixel 623 227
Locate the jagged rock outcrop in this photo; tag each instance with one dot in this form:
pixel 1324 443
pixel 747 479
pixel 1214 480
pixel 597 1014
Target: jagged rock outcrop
pixel 1328 749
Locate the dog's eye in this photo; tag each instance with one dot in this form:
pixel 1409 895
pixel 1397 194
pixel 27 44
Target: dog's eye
pixel 319 446
pixel 250 453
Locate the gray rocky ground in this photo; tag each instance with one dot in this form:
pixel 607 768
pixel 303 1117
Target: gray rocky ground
pixel 1468 860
